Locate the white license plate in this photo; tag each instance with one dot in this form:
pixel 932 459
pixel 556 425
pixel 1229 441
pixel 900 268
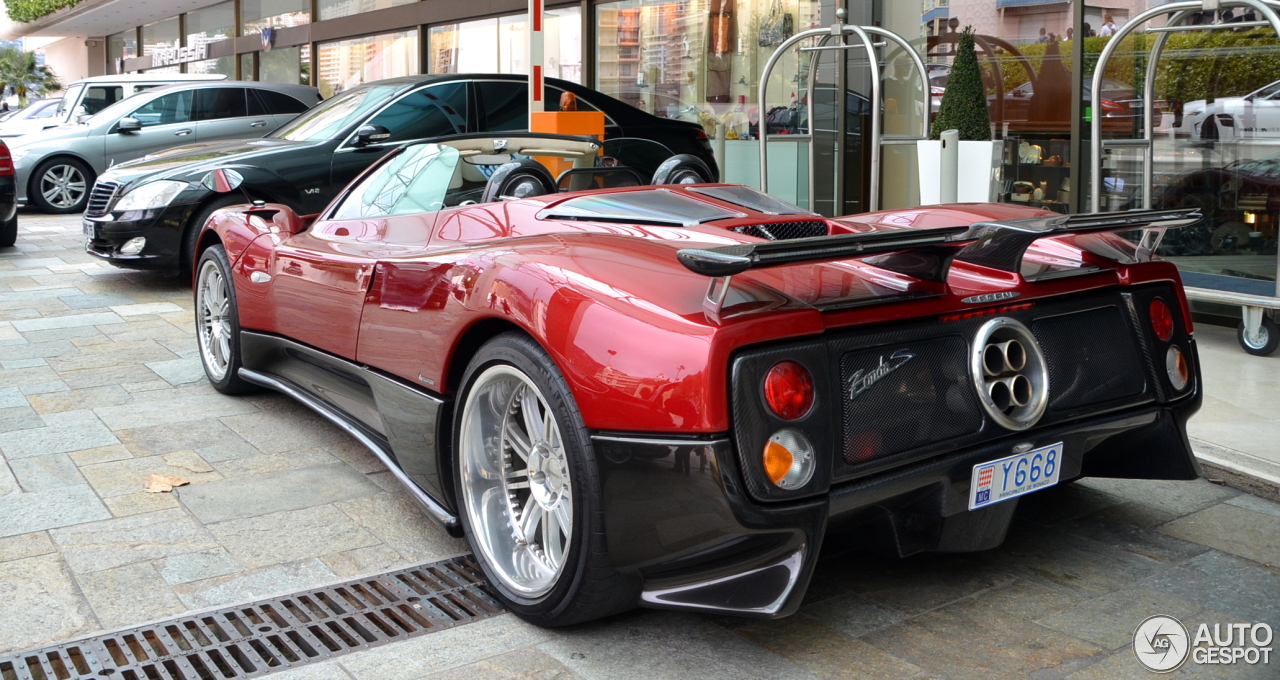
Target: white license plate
pixel 88 231
pixel 1000 480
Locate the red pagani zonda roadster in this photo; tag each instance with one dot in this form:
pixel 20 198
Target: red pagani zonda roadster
pixel 666 395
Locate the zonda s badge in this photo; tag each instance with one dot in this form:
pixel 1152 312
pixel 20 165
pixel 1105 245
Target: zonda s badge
pixel 862 379
pixel 991 297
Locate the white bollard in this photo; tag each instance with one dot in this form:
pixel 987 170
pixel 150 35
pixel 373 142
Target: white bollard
pixel 949 170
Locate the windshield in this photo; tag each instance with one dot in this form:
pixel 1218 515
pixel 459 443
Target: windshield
pixel 334 115
pixel 69 100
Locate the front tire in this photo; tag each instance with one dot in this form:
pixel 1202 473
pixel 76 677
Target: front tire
pixel 529 491
pixel 61 186
pixel 218 323
pixel 191 233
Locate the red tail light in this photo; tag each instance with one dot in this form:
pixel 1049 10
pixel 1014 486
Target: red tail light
pixel 702 134
pixel 1161 319
pixel 788 390
pixel 6 161
pixel 1108 105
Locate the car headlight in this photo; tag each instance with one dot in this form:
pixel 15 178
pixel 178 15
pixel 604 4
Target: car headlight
pixel 151 195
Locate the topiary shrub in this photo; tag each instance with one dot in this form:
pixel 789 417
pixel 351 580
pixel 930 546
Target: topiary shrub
pixel 25 11
pixel 964 106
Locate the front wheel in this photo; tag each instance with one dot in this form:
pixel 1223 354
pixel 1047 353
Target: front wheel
pixel 61 186
pixel 529 490
pixel 218 323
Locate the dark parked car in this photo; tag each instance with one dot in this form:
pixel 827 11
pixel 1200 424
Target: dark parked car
pixel 145 214
pixel 8 200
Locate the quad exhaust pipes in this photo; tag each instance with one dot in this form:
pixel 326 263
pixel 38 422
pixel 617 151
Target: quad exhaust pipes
pixel 1004 357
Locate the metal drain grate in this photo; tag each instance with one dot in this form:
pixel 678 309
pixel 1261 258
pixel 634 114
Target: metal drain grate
pixel 251 640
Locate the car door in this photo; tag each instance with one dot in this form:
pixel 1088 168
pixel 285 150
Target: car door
pixel 320 276
pixel 166 123
pixel 424 113
pixel 223 113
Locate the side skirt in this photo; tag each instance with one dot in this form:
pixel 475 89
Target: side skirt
pixel 374 442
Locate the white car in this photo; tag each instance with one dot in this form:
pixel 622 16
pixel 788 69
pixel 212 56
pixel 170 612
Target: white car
pixel 1253 116
pixel 37 116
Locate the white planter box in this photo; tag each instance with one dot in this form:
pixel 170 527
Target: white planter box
pixel 979 161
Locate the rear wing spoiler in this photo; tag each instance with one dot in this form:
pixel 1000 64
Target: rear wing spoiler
pixel 927 254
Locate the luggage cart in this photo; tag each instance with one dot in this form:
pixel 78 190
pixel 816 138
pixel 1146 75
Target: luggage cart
pixel 1257 332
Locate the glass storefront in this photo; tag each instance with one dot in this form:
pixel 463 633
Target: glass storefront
pixel 256 15
pixel 122 45
pixel 161 35
pixel 346 63
pixel 336 9
pixel 285 65
pixel 499 45
pixel 209 25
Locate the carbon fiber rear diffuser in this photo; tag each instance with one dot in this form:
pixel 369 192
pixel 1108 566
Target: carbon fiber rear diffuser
pixel 254 639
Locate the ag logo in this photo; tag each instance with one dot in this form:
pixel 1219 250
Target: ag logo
pixel 1161 644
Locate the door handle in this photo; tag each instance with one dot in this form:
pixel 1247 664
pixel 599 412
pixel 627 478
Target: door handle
pixel 258 123
pixel 182 133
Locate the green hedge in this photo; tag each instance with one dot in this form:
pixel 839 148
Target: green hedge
pixel 1194 66
pixel 30 10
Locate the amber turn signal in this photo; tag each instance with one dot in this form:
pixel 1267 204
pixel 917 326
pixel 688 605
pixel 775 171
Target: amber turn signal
pixel 788 459
pixel 1175 364
pixel 1161 319
pixel 788 390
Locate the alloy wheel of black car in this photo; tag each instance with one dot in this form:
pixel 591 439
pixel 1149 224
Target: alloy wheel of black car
pixel 218 323
pixel 528 488
pixel 9 232
pixel 61 185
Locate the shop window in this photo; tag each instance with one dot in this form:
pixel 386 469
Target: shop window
pixel 432 111
pixel 122 45
pixel 344 64
pixel 222 65
pixel 161 35
pixel 335 9
pixel 286 65
pixel 501 45
pixel 209 25
pixel 256 15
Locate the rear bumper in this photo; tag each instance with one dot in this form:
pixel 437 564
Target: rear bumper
pixel 698 541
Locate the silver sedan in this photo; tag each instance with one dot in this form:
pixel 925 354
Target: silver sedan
pixel 56 168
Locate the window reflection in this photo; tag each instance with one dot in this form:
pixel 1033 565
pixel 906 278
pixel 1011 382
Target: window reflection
pixel 345 64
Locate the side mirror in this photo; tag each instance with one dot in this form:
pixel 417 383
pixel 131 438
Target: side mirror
pixel 222 181
pixel 80 114
pixel 127 125
pixel 371 134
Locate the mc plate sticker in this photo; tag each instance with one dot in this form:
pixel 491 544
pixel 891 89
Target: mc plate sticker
pixel 1000 480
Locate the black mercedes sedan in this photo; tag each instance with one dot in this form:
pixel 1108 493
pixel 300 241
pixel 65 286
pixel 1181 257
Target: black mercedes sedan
pixel 145 214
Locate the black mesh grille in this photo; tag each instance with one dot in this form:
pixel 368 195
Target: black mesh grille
pixel 919 394
pixel 1091 356
pixel 100 198
pixel 783 231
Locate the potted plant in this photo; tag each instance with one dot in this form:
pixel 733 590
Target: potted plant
pixel 964 108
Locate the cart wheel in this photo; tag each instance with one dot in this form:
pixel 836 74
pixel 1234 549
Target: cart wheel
pixel 1267 341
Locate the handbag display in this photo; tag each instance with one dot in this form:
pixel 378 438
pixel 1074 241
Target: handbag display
pixel 776 27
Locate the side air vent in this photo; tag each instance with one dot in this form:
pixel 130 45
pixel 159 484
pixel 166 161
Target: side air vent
pixel 784 231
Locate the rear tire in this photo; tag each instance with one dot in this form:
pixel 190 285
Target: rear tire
pixel 539 536
pixel 61 186
pixel 683 169
pixel 9 232
pixel 218 323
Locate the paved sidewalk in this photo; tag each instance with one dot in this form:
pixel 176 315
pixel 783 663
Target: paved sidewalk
pixel 101 386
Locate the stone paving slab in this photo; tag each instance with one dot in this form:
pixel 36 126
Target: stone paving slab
pixel 100 386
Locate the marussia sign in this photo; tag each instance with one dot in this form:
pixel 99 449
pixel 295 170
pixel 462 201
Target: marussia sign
pixel 179 55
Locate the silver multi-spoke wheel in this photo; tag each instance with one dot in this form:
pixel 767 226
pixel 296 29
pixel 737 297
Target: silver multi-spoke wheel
pixel 516 486
pixel 63 186
pixel 213 309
